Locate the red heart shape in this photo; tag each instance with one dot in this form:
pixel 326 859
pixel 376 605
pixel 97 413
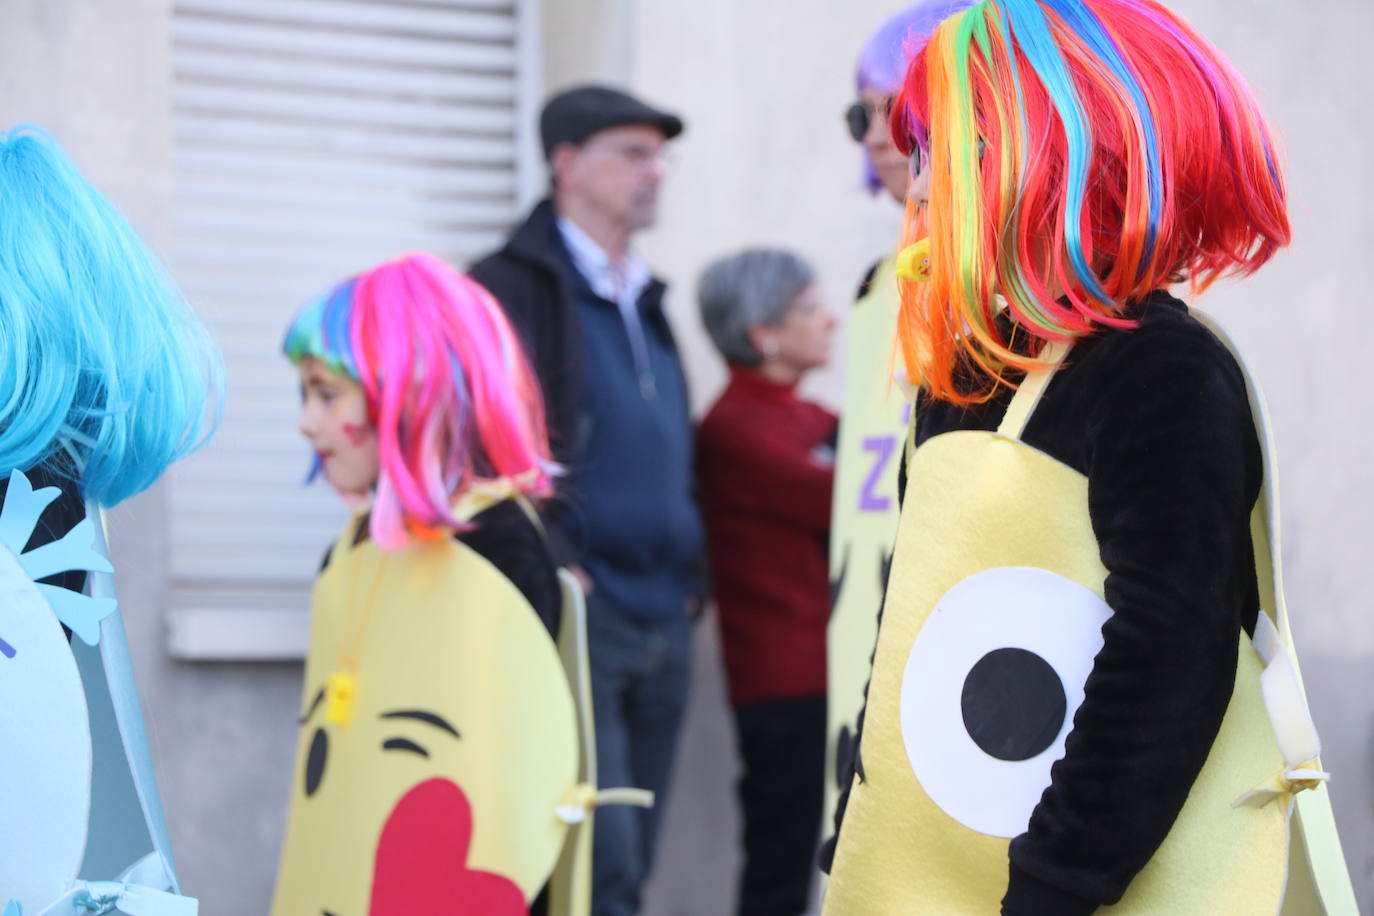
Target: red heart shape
pixel 422 860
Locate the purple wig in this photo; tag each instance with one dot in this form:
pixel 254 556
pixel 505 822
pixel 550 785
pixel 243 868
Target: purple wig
pixel 883 61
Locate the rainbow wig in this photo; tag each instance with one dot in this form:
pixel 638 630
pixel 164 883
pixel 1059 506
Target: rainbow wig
pixel 108 377
pixel 1082 154
pixel 889 50
pixel 447 385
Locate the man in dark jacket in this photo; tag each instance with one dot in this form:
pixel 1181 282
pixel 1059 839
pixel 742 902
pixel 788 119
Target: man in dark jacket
pixel 626 521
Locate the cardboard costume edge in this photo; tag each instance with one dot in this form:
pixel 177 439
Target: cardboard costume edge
pixel 1313 837
pixel 570 886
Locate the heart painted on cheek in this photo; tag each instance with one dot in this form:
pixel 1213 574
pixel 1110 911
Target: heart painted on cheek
pixel 357 434
pixel 422 860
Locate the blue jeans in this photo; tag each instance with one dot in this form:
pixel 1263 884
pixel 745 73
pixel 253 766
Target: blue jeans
pixel 640 672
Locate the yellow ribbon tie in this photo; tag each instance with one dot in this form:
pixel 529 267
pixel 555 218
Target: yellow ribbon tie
pixel 583 797
pixel 1284 786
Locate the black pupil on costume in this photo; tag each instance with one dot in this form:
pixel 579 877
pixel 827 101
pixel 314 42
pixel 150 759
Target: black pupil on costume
pixel 314 761
pixel 1013 704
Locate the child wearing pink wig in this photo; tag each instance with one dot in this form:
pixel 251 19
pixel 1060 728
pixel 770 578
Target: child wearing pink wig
pixel 423 414
pixel 414 392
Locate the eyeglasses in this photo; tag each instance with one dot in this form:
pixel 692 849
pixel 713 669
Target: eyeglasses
pixel 859 116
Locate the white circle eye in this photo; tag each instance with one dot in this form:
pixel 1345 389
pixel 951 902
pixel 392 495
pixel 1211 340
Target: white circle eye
pixel 990 688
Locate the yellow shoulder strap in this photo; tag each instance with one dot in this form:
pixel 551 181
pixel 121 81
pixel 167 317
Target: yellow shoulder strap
pixel 1030 390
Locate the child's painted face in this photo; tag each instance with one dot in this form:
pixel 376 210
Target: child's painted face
pixel 334 420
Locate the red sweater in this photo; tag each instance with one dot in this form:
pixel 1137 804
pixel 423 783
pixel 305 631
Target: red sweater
pixel 767 467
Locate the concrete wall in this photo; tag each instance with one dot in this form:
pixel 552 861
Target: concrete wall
pixel 765 160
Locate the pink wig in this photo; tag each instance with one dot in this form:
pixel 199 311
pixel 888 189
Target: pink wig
pixel 448 389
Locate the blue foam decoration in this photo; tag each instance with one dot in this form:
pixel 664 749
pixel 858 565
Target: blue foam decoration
pixel 45 805
pixel 75 550
pixel 72 551
pixel 81 614
pixel 117 665
pixel 22 508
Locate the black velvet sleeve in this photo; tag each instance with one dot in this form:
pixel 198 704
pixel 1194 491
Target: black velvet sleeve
pixel 1173 465
pixel 510 541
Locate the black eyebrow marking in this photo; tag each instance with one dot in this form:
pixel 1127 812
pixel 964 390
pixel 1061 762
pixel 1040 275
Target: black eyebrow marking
pixel 404 744
pixel 420 715
pixel 314 705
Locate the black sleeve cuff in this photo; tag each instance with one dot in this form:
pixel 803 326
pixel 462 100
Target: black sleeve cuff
pixel 1029 896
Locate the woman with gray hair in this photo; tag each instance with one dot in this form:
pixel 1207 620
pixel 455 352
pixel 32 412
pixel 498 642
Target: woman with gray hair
pixel 766 461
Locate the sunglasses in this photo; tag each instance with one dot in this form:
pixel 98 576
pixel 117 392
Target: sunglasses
pixel 859 116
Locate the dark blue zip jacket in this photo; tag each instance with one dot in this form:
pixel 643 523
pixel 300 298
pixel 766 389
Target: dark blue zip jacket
pixel 625 510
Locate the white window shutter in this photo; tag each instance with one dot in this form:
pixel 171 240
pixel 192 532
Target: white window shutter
pixel 314 139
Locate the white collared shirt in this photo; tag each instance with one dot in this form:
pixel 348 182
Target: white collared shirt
pixel 620 282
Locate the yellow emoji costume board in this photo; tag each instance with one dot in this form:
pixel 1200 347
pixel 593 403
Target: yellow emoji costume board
pixel 1008 568
pixel 863 520
pixel 439 749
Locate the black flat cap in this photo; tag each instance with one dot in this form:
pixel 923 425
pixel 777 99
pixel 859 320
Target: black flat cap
pixel 575 114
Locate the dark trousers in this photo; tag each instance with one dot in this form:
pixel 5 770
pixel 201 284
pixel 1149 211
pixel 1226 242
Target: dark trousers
pixel 640 671
pixel 782 743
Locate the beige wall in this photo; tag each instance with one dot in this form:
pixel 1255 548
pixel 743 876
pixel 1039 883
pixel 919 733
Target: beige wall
pixel 67 65
pixel 765 159
pixel 587 41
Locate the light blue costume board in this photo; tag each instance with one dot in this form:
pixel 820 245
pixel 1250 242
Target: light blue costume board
pixel 81 823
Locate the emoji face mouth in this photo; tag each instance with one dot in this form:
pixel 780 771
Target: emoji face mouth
pixel 427 835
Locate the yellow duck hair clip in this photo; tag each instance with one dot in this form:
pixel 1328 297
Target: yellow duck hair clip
pixel 913 262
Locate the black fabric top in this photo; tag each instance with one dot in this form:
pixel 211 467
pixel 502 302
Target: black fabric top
pixel 61 515
pixel 1158 419
pixel 506 538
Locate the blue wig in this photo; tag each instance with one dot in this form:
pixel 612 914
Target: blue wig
pixel 106 376
pixel 884 59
